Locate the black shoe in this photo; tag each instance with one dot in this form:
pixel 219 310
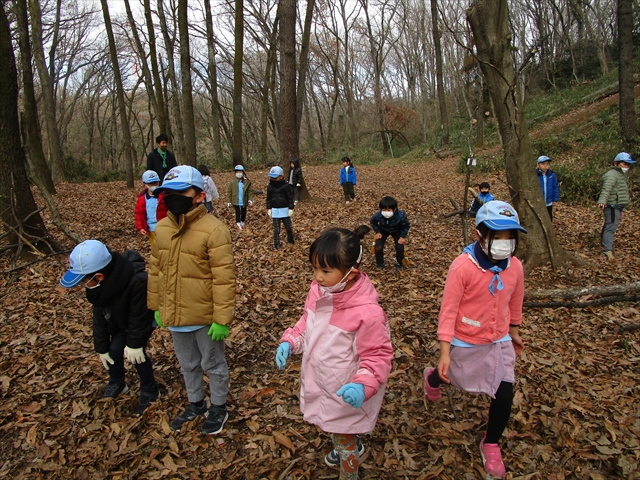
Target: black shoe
pixel 112 390
pixel 278 247
pixel 216 418
pixel 380 266
pixel 399 266
pixel 191 413
pixel 146 399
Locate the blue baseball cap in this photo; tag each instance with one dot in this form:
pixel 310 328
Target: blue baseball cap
pixel 238 167
pixel 543 158
pixel 88 257
pixel 275 172
pixel 624 157
pixel 150 177
pixel 181 178
pixel 498 215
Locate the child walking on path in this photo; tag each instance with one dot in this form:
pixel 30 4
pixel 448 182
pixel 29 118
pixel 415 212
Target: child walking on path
pixel 192 285
pixel 239 195
pixel 548 184
pixel 484 196
pixel 116 286
pixel 343 336
pixel 295 179
pixel 209 187
pixel 389 221
pixel 150 209
pixel 280 205
pixel 478 325
pixel 348 180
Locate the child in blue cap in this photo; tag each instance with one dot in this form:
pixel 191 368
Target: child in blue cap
pixel 548 184
pixel 280 205
pixel 150 208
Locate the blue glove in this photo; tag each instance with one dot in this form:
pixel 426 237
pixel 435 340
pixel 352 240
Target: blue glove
pixel 283 352
pixel 352 393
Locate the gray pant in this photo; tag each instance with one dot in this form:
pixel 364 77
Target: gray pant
pixel 611 221
pixel 197 354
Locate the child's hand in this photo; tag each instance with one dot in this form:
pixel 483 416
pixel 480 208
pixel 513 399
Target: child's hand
pixel 402 240
pixel 228 204
pixel 518 344
pixel 142 231
pixel 283 352
pixel 250 202
pixel 218 332
pixel 269 213
pixel 378 236
pixel 156 317
pixel 443 368
pixel 352 393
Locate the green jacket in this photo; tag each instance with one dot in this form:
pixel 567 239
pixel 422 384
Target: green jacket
pixel 614 189
pixel 232 192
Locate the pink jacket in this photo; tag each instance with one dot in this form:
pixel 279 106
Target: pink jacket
pixel 343 338
pixel 469 311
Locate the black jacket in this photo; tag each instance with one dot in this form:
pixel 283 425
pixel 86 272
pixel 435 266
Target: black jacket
pixel 396 224
pixel 125 305
pixel 154 162
pixel 295 174
pixel 279 194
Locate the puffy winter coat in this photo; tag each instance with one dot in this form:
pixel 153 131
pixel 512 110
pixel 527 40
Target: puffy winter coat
pixel 348 175
pixel 279 195
pixel 343 338
pixel 155 163
pixel 614 189
pixel 232 192
pixel 295 174
pixel 398 223
pixel 141 210
pixel 553 189
pixel 192 272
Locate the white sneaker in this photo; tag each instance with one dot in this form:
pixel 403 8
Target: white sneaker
pixel 239 225
pixel 242 224
pixel 347 202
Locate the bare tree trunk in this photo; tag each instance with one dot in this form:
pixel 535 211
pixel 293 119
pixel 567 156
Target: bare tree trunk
pixel 122 108
pixel 213 82
pixel 444 119
pixel 289 123
pixel 188 118
pixel 48 99
pixel 153 59
pixel 625 74
pixel 304 62
pixel 31 127
pixel 489 20
pixel 237 84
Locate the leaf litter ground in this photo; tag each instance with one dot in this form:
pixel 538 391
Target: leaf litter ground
pixel 576 412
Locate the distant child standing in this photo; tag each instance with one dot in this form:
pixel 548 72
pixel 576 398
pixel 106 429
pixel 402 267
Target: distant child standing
pixel 192 286
pixel 389 221
pixel 209 187
pixel 479 321
pixel 483 197
pixel 295 179
pixel 280 205
pixel 150 209
pixel 343 336
pixel 548 184
pixel 348 180
pixel 239 195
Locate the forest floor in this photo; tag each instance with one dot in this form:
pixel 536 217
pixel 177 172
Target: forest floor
pixel 576 411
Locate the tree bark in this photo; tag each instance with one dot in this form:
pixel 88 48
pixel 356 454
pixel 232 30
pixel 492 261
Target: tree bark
pixel 122 108
pixel 289 123
pixel 489 20
pixel 213 82
pixel 304 62
pixel 188 118
pixel 48 99
pixel 628 120
pixel 236 146
pixel 444 119
pixel 153 59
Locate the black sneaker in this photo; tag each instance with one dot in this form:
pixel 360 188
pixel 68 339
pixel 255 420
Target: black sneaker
pixel 380 266
pixel 191 413
pixel 333 459
pixel 216 418
pixel 112 390
pixel 399 267
pixel 146 399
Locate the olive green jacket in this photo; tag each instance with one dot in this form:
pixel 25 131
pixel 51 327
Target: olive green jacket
pixel 614 189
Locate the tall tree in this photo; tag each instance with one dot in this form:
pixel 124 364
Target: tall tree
pixel 628 120
pixel 236 145
pixel 48 98
pixel 18 209
pixel 188 118
pixel 304 62
pixel 212 70
pixel 31 126
pixel 444 120
pixel 489 20
pixel 122 107
pixel 153 60
pixel 289 123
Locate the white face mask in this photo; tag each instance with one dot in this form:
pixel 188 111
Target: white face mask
pixel 624 169
pixel 501 249
pixel 84 284
pixel 151 189
pixel 387 214
pixel 239 175
pixel 338 287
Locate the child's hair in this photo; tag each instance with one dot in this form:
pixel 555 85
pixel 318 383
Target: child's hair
pixel 204 170
pixel 338 248
pixel 346 159
pixel 388 203
pixel 484 231
pixel 485 185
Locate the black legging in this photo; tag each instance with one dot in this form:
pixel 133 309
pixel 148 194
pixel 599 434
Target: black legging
pixel 241 213
pixel 499 410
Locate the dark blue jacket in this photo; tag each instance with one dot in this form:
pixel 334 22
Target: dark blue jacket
pixel 397 223
pixel 553 189
pixel 348 177
pixel 475 205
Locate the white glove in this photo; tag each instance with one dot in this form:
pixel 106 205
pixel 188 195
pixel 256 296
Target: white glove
pixel 297 184
pixel 228 204
pixel 106 359
pixel 269 212
pixel 291 212
pixel 134 355
pixel 250 202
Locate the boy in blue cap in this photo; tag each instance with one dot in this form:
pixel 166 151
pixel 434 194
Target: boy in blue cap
pixel 192 286
pixel 116 286
pixel 150 208
pixel 548 184
pixel 280 205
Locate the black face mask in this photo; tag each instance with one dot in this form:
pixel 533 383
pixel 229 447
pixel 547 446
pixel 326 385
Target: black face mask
pixel 178 204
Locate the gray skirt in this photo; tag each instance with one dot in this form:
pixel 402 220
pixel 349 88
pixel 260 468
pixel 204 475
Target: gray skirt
pixel 482 368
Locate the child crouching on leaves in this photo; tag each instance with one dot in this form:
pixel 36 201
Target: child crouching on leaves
pixel 150 208
pixel 343 336
pixel 479 322
pixel 389 221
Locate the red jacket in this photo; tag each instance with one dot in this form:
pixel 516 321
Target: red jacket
pixel 141 210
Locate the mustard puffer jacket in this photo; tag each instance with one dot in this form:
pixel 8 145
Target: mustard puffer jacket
pixel 192 279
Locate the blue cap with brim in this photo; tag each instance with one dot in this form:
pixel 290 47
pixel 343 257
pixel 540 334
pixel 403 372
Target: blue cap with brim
pixel 181 178
pixel 543 158
pixel 88 257
pixel 624 157
pixel 497 215
pixel 275 172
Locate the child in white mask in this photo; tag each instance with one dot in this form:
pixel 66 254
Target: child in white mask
pixel 239 195
pixel 389 221
pixel 478 325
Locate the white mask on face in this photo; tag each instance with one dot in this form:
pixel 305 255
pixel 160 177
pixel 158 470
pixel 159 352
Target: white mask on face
pixel 239 175
pixel 387 214
pixel 624 169
pixel 151 189
pixel 501 249
pixel 338 287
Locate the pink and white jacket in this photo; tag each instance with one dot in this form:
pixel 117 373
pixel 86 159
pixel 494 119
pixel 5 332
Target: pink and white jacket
pixel 343 338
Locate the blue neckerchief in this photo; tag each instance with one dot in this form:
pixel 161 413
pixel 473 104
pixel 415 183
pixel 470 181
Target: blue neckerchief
pixel 483 262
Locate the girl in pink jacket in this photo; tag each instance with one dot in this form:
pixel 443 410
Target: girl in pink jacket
pixel 479 321
pixel 343 336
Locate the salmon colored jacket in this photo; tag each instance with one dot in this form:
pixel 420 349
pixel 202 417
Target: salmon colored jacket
pixel 343 338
